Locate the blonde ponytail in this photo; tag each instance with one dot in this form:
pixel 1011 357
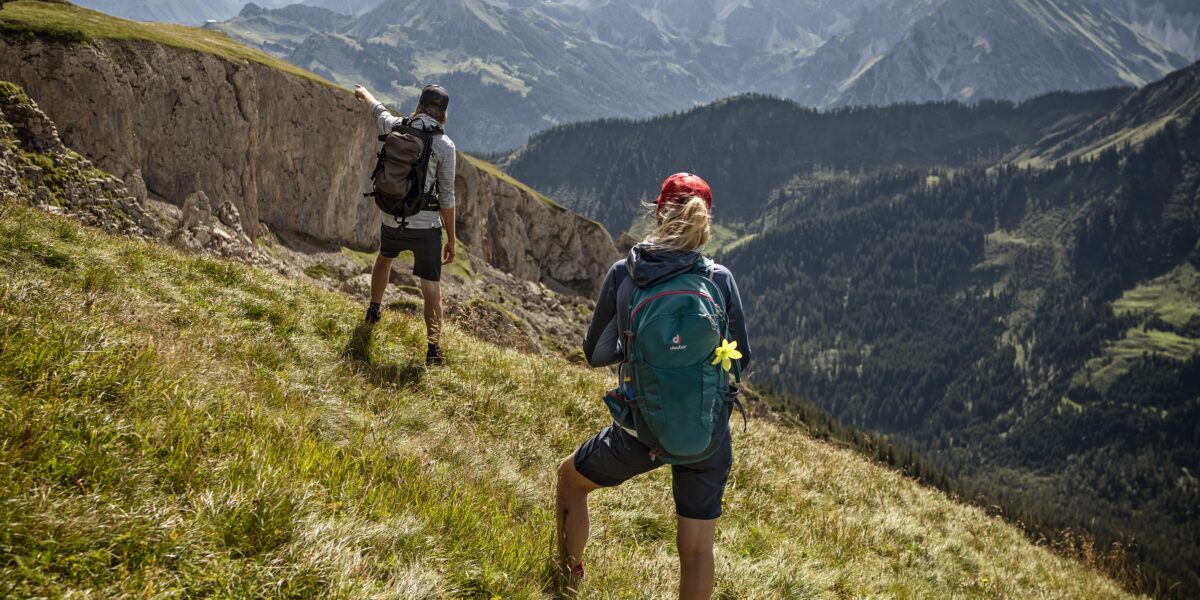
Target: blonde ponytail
pixel 682 226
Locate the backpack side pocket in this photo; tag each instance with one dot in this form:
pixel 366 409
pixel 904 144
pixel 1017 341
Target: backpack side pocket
pixel 618 406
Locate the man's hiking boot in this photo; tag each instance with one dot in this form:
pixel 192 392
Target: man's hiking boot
pixel 373 314
pixel 434 356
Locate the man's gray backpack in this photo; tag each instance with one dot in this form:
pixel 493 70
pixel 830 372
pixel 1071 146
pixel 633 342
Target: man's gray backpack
pixel 400 173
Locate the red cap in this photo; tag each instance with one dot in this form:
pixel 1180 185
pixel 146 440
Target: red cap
pixel 681 186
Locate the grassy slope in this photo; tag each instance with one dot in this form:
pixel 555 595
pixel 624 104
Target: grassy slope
pixel 1174 298
pixel 66 21
pixel 173 425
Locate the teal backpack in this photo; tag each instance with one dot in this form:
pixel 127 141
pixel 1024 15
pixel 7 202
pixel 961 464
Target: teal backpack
pixel 678 398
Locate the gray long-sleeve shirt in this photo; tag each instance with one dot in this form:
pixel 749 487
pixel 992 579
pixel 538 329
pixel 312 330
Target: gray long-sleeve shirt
pixel 441 168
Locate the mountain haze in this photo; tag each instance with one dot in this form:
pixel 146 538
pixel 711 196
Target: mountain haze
pixel 197 12
pixel 515 68
pixel 184 12
pixel 915 50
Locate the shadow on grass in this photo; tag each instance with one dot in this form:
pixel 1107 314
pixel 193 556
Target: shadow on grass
pixel 358 353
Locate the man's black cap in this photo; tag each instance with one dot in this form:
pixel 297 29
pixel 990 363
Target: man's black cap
pixel 434 95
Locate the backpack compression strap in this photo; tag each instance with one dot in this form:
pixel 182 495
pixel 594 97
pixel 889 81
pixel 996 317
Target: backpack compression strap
pixel 708 268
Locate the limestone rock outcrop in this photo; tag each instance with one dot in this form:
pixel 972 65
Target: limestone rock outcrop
pixel 35 164
pixel 517 232
pixel 280 149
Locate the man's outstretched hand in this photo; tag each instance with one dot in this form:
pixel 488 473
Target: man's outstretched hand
pixel 362 95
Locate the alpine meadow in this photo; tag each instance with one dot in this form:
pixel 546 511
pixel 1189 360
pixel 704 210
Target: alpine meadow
pixel 315 299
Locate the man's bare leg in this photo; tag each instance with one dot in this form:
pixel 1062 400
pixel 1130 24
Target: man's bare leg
pixel 694 539
pixel 379 278
pixel 571 513
pixel 431 291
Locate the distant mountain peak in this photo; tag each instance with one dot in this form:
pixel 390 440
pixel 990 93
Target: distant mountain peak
pixel 517 66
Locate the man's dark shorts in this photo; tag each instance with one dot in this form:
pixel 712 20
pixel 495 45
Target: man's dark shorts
pixel 612 457
pixel 426 246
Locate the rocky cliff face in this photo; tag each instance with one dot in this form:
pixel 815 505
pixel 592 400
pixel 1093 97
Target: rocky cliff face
pixel 285 151
pixel 522 234
pixel 35 165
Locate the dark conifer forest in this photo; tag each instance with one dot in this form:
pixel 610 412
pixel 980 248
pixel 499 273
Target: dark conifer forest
pixel 1012 292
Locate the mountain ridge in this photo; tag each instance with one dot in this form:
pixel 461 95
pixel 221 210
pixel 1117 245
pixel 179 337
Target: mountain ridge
pixel 747 131
pixel 518 68
pixel 1140 116
pixel 969 49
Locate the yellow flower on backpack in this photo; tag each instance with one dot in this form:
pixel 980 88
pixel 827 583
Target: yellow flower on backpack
pixel 726 353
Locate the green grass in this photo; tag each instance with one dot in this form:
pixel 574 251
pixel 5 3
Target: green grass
pixel 1174 297
pixel 720 238
pixel 1121 355
pixel 320 271
pixel 175 426
pixel 75 24
pixel 366 259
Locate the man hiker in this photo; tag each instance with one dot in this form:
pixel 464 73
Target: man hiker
pixel 421 232
pixel 674 321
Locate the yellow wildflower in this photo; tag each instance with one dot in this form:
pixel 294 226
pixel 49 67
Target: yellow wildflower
pixel 726 353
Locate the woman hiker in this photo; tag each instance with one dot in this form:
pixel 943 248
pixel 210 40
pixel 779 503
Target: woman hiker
pixel 421 233
pixel 633 325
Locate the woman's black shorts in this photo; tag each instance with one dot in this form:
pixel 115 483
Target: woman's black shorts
pixel 612 457
pixel 425 244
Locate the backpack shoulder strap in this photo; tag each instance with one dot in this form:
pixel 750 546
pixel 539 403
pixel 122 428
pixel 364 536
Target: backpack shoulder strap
pixel 705 266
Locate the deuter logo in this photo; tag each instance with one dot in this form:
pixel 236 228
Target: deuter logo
pixel 678 341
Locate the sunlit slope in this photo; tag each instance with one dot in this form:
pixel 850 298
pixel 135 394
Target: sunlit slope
pixel 183 426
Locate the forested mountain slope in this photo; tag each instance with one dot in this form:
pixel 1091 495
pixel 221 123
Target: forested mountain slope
pixel 1174 100
pixel 750 146
pixel 1035 332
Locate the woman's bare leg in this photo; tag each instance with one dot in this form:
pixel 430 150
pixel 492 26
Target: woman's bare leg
pixel 694 539
pixel 571 512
